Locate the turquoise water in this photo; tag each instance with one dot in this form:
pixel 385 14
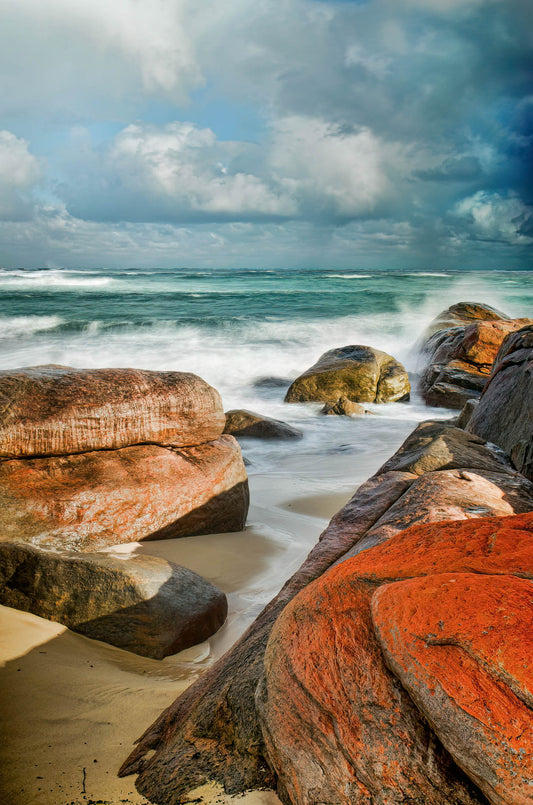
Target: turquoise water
pixel 234 327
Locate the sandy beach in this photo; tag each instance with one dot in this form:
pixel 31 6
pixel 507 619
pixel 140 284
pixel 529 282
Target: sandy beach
pixel 72 707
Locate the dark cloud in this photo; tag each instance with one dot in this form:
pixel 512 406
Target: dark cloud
pixel 390 127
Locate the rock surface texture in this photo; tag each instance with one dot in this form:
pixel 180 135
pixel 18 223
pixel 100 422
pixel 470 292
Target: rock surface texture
pixel 142 604
pixel 460 644
pixel 57 410
pixel 90 458
pixel 212 732
pixel 338 726
pixel 504 414
pixel 359 373
pixel 460 358
pixel 93 500
pixel 254 426
pixel 343 407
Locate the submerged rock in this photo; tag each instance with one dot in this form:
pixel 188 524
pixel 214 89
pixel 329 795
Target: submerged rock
pixel 139 603
pixel 97 499
pixel 359 373
pixel 343 407
pixel 57 410
pixel 254 426
pixel 504 414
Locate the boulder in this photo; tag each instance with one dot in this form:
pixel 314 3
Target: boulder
pixel 464 313
pixel 212 731
pixel 255 426
pixel 57 410
pixel 139 603
pixel 343 407
pixel 460 360
pixel 337 725
pixel 97 499
pixel 359 373
pixel 460 644
pixel 437 445
pixel 504 414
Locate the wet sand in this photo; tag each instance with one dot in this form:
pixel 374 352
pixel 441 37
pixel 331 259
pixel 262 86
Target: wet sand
pixel 71 707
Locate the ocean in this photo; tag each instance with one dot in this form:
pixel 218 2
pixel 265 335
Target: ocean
pixel 237 327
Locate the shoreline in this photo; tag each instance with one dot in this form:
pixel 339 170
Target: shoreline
pixel 70 703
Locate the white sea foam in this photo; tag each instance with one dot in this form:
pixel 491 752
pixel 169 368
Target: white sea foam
pixel 11 326
pixel 53 278
pixel 349 276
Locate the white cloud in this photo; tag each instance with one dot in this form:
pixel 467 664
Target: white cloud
pixel 173 172
pixel 498 218
pixel 19 171
pixel 80 56
pixel 327 168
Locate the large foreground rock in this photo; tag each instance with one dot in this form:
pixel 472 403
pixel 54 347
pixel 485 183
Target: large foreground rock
pixel 97 499
pixel 240 422
pixel 57 410
pixel 460 360
pixel 362 374
pixel 212 732
pixel 143 604
pixel 504 414
pixel 338 726
pixel 460 643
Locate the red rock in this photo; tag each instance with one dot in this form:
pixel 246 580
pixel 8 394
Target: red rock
pixel 504 414
pixel 337 726
pixel 93 500
pixel 464 313
pixel 57 410
pixel 489 545
pixel 461 646
pixel 139 603
pixel 452 495
pixel 460 359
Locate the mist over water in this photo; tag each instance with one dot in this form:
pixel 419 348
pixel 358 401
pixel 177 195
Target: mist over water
pixel 233 327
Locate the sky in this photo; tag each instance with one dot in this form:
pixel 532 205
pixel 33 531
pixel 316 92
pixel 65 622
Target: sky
pixel 266 133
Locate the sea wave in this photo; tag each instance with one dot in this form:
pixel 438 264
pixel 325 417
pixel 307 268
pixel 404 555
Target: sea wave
pixel 27 325
pixel 348 276
pixel 54 278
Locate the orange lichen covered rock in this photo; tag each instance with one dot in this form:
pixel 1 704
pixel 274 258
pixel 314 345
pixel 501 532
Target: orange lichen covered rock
pixel 58 410
pixel 461 645
pixel 488 545
pixel 337 726
pixel 92 500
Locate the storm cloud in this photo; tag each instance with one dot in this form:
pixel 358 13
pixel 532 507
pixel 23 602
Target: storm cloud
pixel 272 133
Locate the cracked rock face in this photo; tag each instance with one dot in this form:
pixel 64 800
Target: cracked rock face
pixel 57 410
pixel 504 414
pixel 359 373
